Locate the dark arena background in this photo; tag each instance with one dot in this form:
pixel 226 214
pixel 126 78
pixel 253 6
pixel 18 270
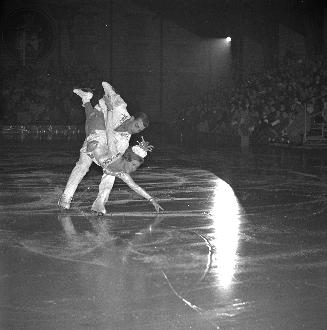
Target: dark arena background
pixel 236 93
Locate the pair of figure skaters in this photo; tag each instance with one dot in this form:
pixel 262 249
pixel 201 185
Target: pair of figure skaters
pixel 108 129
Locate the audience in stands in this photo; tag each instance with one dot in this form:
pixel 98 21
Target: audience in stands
pixel 38 95
pixel 267 107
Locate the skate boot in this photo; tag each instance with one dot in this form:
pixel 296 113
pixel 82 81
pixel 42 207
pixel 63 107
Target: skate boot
pixel 85 96
pixel 108 89
pixel 98 207
pixel 64 202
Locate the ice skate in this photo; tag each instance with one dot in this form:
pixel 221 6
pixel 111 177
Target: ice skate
pixel 98 207
pixel 64 202
pixel 108 89
pixel 85 96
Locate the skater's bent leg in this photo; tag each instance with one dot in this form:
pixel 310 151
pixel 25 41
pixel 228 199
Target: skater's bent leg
pixel 76 176
pixel 105 187
pixel 111 98
pixel 114 102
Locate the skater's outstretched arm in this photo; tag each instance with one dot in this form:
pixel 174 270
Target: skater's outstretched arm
pixel 140 191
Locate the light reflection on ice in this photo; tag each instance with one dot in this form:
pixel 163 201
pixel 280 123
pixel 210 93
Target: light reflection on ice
pixel 226 220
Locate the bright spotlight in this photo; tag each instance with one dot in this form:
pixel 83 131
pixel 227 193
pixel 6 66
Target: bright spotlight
pixel 228 39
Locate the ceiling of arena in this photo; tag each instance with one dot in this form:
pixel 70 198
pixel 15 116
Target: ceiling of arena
pixel 216 18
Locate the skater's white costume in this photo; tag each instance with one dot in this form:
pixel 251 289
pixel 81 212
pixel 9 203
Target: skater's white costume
pixel 117 142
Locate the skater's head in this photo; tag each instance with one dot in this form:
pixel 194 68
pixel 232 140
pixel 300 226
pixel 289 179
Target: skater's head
pixel 132 160
pixel 134 156
pixel 139 123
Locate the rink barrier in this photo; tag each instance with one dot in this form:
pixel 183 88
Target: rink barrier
pixel 40 131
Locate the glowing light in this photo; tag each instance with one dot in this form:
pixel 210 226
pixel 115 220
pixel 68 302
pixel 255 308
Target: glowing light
pixel 228 39
pixel 226 221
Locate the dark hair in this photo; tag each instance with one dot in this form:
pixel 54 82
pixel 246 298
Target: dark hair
pixel 129 155
pixel 144 117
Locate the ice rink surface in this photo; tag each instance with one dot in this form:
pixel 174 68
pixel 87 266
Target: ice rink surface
pixel 242 243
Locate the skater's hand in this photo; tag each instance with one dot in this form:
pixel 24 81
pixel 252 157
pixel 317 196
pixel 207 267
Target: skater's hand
pixel 156 205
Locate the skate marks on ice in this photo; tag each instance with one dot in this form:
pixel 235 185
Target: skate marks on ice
pixel 201 247
pixel 170 243
pixel 38 191
pixel 193 196
pixel 183 259
pixel 188 189
pixel 187 193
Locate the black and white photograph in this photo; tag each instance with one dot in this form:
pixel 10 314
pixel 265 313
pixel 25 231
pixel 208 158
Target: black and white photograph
pixel 163 165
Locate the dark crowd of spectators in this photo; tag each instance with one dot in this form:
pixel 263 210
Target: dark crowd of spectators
pixel 43 95
pixel 267 107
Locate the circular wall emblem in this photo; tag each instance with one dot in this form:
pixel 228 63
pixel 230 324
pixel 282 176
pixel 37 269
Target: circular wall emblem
pixel 28 35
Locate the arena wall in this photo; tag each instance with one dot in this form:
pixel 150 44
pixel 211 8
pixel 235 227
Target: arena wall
pixel 290 41
pixel 155 64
